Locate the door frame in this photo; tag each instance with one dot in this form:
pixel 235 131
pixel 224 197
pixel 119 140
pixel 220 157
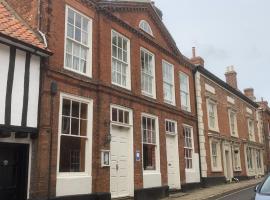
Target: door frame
pixel 28 144
pixel 131 143
pixel 227 148
pixel 177 150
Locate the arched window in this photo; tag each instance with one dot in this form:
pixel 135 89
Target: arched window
pixel 145 27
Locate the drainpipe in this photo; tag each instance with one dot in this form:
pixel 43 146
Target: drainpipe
pixel 196 111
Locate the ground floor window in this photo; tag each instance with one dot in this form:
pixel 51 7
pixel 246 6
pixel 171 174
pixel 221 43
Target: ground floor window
pixel 249 158
pixel 258 159
pixel 215 153
pixel 188 146
pixel 73 135
pixel 236 159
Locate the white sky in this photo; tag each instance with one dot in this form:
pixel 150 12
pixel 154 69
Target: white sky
pixel 225 32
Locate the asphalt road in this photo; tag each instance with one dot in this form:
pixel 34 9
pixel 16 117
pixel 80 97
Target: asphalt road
pixel 244 194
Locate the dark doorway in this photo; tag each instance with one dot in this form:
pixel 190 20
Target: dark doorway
pixel 13 171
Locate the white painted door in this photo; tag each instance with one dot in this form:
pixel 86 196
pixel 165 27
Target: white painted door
pixel 173 162
pixel 228 166
pixel 120 178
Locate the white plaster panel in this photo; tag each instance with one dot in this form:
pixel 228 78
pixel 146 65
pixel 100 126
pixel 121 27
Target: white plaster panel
pixel 71 185
pixel 4 58
pixel 209 88
pixel 151 180
pixel 33 99
pixel 230 100
pixel 18 89
pixel 193 176
pixel 248 110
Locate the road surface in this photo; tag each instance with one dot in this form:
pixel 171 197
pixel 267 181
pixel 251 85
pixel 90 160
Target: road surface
pixel 244 194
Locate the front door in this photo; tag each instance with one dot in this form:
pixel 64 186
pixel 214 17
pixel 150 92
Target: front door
pixel 228 166
pixel 13 171
pixel 121 149
pixel 173 162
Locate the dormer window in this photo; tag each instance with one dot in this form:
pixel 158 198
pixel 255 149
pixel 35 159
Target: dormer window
pixel 145 27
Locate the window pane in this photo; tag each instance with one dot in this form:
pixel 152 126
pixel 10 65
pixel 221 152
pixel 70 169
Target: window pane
pixel 68 60
pixel 75 109
pixel 121 116
pixel 65 125
pixel 85 24
pixel 74 126
pixel 69 47
pixel 84 110
pixel 83 127
pixel 126 117
pixel 149 157
pixel 70 31
pixel 114 114
pixel 78 20
pixel 66 107
pixel 71 16
pixel 72 154
pixel 77 34
pixel 84 38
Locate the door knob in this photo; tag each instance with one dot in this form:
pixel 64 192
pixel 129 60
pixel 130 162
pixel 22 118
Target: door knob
pixel 117 167
pixel 170 164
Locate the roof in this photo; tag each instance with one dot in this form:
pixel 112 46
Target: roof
pixel 226 85
pixel 13 28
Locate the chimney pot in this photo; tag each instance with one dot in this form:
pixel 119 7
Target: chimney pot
pixel 196 60
pixel 193 52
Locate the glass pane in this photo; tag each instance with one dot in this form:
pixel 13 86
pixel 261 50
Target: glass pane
pixel 72 154
pixel 84 53
pixel 71 16
pixel 124 56
pixel 114 39
pixel 149 157
pixel 76 63
pixel 75 109
pixel 65 125
pixel 144 122
pixel 84 110
pixel 114 51
pixel 85 24
pixel 120 54
pixel 83 66
pixel 125 45
pixel 78 20
pixel 77 34
pixel 126 117
pixel 68 60
pixel 66 107
pixel 83 127
pixel 114 114
pixel 70 31
pixel 74 126
pixel 85 38
pixel 69 46
pixel 121 116
pixel 120 44
pixel 76 50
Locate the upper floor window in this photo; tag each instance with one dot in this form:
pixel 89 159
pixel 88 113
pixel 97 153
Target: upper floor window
pixel 188 147
pixel 148 73
pixel 145 27
pixel 184 91
pixel 251 129
pixel 170 127
pixel 149 132
pixel 212 115
pixel 78 39
pixel 120 60
pixel 168 82
pixel 233 123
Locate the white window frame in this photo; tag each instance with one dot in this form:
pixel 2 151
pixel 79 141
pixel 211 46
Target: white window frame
pixel 216 128
pixel 217 168
pixel 250 150
pixel 235 167
pixel 146 93
pixel 230 111
pixel 193 148
pixel 251 130
pixel 88 146
pixel 117 123
pixel 89 46
pixel 258 155
pixel 157 151
pixel 145 26
pixel 128 71
pixel 175 126
pixel 185 107
pixel 172 84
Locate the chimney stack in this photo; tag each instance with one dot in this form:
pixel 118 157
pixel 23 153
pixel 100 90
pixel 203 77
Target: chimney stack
pixel 263 104
pixel 249 92
pixel 196 60
pixel 231 77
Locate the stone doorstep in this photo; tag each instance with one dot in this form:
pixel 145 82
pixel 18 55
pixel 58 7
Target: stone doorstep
pixel 212 197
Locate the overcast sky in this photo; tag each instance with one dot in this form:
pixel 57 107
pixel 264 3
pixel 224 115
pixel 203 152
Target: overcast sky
pixel 225 32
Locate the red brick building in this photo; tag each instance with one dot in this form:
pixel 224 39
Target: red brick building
pixel 118 112
pixel 231 142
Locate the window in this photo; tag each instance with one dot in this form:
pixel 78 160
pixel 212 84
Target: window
pixel 73 137
pixel 251 129
pixel 214 155
pixel 168 82
pixel 212 115
pixel 78 42
pixel 148 73
pixel 184 92
pixel 120 116
pixel 170 127
pixel 249 158
pixel 188 147
pixel 145 27
pixel 258 159
pixel 149 143
pixel 236 159
pixel 120 60
pixel 269 129
pixel 233 123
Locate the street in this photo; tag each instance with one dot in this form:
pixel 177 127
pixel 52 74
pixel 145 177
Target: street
pixel 244 194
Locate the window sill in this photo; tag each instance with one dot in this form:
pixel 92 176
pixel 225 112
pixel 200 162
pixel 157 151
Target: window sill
pixel 72 174
pixel 217 170
pixel 121 86
pixel 237 170
pixel 77 72
pixel 148 95
pixel 213 129
pixel 189 170
pixel 120 125
pixel 147 172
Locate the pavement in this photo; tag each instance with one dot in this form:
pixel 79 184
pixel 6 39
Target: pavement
pixel 244 190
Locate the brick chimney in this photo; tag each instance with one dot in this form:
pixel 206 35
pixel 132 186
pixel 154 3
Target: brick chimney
pixel 263 104
pixel 196 60
pixel 231 77
pixel 249 92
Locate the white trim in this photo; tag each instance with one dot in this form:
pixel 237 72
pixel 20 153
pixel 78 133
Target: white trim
pixel 128 79
pixel 90 45
pixel 193 147
pixel 68 176
pixel 28 141
pixel 210 88
pixel 175 124
pixel 150 32
pixel 235 122
pixel 236 147
pixel 218 149
pixel 230 100
pixel 153 95
pixel 216 128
